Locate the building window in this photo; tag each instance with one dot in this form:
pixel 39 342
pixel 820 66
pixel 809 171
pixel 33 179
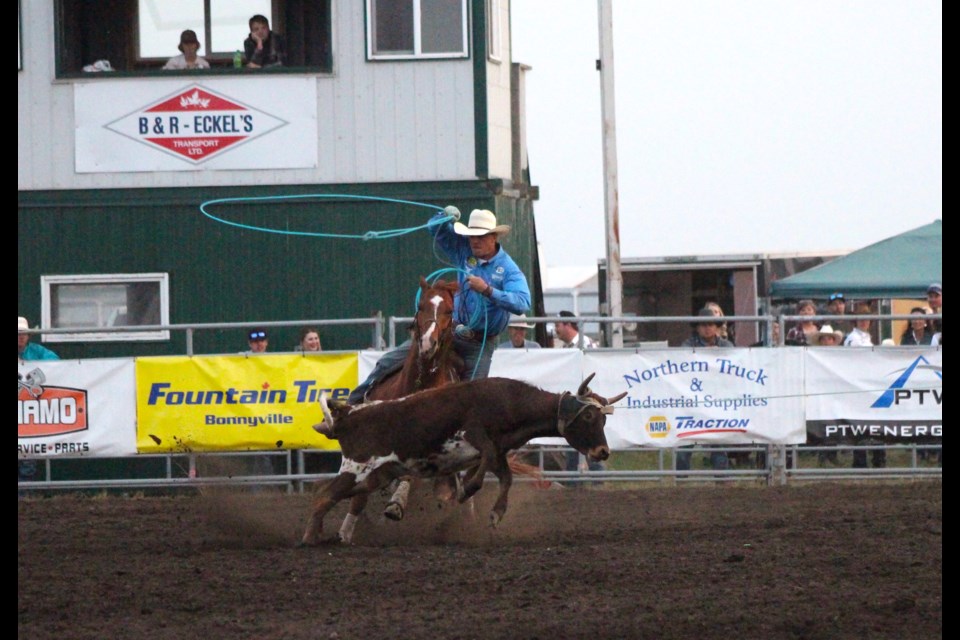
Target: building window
pixel 493 30
pixel 105 301
pixel 138 36
pixel 415 29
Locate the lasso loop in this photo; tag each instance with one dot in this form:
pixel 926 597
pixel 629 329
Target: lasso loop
pixel 369 235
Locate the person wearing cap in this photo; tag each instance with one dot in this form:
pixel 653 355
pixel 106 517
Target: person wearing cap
pixel 188 58
pixel 568 332
pixel 517 332
pixel 492 287
pixel 836 306
pixel 258 341
pixel 707 331
pixel 27 350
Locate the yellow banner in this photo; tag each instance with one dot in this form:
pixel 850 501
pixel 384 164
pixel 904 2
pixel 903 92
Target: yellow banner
pixel 237 402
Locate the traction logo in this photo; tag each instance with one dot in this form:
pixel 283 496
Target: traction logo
pixel 195 124
pixel 45 410
pixel 920 375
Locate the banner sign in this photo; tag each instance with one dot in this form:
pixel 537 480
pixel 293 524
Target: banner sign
pixel 887 395
pixel 75 408
pixel 242 402
pixel 214 124
pixel 681 396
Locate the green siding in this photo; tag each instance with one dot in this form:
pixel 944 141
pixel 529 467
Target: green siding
pixel 221 273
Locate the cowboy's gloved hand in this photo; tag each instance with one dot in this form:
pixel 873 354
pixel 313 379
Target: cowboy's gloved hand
pixel 452 211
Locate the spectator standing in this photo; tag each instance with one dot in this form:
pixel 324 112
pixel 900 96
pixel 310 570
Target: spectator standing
pixel 837 306
pixel 860 336
pixel 918 331
pixel 707 335
pixel 27 350
pixel 309 340
pixel 263 48
pixel 188 58
pixel 568 332
pixel 492 287
pixel 517 332
pixel 935 302
pixel 799 334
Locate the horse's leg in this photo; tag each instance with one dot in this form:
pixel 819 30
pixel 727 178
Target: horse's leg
pixel 505 476
pixel 328 496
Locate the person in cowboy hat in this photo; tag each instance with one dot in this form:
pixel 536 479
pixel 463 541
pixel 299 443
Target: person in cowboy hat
pixel 27 350
pixel 707 331
pixel 188 58
pixel 826 337
pixel 517 330
pixel 492 287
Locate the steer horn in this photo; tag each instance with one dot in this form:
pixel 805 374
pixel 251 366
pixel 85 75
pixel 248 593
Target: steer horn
pixel 325 427
pixel 584 392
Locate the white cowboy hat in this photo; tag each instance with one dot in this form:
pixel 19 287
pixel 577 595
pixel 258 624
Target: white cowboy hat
pixel 482 222
pixel 825 330
pixel 520 322
pixel 22 324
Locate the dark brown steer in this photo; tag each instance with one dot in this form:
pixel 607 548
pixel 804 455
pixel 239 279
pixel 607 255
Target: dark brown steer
pixel 469 426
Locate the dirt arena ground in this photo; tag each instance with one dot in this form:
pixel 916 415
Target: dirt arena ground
pixel 828 560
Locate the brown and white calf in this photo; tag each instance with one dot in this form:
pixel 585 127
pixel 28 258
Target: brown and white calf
pixel 470 426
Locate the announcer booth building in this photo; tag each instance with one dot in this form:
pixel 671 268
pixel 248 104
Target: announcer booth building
pixel 377 102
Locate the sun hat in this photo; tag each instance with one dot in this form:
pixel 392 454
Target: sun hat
pixel 520 322
pixel 188 36
pixel 825 330
pixel 482 222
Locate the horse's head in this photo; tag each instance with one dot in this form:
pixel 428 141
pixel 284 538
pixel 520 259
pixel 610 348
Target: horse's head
pixel 434 321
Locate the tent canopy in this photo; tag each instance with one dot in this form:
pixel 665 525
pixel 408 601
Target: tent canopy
pixel 898 267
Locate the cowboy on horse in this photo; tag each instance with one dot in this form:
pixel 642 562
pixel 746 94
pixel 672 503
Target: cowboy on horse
pixel 491 288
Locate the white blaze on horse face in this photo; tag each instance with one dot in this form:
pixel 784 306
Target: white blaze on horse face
pixel 427 341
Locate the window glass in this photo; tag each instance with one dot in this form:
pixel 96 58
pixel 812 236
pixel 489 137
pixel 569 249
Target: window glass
pixel 103 301
pixel 440 26
pixel 230 22
pixel 400 29
pixel 221 25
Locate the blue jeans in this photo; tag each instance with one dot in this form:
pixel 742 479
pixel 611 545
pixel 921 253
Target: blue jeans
pixel 474 356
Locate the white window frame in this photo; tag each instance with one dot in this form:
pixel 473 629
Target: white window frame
pixel 46 305
pixel 494 33
pixel 417 53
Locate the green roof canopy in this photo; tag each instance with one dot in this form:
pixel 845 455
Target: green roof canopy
pixel 898 267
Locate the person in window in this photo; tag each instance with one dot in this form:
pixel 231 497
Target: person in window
pixel 309 340
pixel 263 48
pixel 188 58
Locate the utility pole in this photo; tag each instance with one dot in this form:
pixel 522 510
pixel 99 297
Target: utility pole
pixel 611 194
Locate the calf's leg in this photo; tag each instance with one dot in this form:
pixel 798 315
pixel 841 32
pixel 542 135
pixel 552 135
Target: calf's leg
pixel 505 476
pixel 328 496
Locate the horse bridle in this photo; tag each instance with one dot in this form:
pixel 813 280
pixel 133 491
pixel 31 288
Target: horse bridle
pixel 418 336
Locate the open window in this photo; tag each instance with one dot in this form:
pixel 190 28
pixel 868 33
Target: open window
pixel 138 36
pixel 105 301
pixel 416 29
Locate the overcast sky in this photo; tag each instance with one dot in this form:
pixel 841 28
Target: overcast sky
pixel 743 126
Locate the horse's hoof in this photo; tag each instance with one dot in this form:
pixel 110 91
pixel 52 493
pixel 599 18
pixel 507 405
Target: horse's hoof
pixel 495 519
pixel 393 511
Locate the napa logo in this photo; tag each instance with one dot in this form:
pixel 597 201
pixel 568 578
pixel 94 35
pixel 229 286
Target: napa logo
pixel 46 410
pixel 925 388
pixel 658 427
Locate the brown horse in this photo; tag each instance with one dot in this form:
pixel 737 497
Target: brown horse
pixel 431 363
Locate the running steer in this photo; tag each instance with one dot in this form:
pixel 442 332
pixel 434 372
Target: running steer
pixel 469 426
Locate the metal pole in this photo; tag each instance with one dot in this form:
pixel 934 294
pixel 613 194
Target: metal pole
pixel 611 196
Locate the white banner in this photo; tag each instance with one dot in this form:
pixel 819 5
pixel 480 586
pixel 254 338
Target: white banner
pixel 682 396
pixel 194 124
pixel 889 394
pixel 76 408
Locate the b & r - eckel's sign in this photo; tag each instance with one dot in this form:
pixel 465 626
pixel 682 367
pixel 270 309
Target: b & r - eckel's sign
pixel 195 124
